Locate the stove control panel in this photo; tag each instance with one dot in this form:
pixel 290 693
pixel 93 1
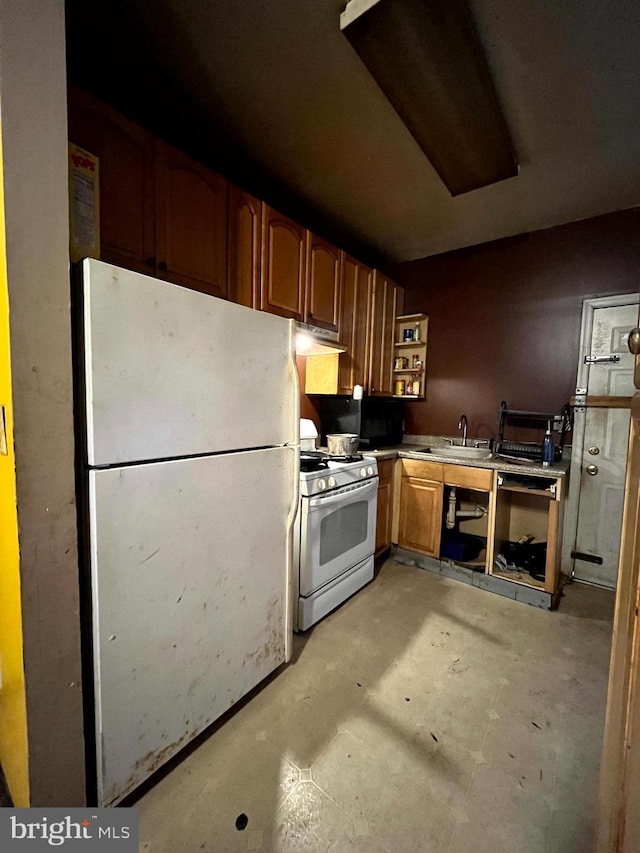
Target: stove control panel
pixel 338 476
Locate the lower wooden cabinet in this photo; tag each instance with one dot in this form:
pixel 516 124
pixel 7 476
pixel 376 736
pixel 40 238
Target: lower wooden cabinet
pixel 420 515
pixel 385 505
pixel 515 505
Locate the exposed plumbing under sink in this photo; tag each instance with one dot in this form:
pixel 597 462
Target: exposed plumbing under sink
pixel 468 509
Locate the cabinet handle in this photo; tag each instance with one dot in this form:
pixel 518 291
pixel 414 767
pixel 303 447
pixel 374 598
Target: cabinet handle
pixel 150 262
pixel 162 265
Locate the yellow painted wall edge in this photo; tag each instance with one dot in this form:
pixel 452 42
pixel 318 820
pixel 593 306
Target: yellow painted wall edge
pixel 13 708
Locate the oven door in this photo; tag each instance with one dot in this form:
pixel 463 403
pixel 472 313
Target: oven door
pixel 337 531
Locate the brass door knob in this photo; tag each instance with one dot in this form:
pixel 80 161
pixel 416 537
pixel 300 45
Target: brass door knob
pixel 592 470
pixel 633 341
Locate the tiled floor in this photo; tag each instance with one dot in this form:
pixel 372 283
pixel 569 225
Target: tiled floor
pixel 424 715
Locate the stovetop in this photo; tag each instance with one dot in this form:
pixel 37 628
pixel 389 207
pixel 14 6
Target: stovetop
pixel 337 474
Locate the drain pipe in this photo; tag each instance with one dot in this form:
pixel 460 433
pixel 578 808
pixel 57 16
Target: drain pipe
pixel 472 510
pixel 451 511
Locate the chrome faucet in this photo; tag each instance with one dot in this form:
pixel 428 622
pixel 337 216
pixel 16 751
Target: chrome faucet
pixel 462 424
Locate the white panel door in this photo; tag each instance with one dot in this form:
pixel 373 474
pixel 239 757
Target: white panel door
pixel 190 581
pixel 604 450
pixel 171 372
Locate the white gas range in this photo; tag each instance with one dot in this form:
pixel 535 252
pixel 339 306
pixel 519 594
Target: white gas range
pixel 335 533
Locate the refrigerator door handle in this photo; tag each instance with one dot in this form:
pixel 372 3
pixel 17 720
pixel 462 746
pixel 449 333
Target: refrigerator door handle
pixel 295 381
pixel 295 501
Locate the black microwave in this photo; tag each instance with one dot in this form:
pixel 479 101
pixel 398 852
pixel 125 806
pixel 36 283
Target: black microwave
pixel 378 421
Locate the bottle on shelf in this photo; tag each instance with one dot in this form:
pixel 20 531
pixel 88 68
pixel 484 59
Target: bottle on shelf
pixel 415 386
pixel 548 448
pixel 416 334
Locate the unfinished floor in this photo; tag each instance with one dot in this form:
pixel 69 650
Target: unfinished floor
pixel 423 715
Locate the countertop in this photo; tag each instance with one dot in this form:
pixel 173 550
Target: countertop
pixel 415 451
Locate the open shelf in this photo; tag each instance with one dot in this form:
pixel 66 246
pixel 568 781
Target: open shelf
pixel 521 510
pixel 410 350
pixel 545 493
pixel 527 484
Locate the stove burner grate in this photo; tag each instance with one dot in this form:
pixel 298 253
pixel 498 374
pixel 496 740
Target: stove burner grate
pixel 313 461
pixel 355 457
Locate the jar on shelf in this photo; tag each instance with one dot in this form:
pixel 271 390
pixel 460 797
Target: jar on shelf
pixel 416 362
pixel 400 387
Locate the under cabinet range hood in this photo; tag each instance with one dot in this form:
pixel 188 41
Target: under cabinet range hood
pixel 313 340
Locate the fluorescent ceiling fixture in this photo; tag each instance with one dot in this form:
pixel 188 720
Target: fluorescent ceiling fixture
pixel 428 60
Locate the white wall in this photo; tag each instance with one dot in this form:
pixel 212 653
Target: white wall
pixel 33 104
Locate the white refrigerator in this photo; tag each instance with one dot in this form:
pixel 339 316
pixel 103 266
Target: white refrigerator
pixel 190 479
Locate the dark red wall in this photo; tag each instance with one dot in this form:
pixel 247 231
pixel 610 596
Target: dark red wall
pixel 504 318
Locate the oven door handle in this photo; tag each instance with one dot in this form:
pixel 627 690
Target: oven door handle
pixel 332 499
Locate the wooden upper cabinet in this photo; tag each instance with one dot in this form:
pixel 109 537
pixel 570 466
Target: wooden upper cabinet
pixel 322 302
pixel 388 300
pixel 283 265
pixel 355 324
pixel 191 222
pixel 125 152
pixel 245 234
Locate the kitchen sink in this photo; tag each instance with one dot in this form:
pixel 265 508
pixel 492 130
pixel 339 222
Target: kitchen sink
pixel 459 452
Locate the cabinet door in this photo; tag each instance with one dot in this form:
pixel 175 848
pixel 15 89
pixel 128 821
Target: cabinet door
pixel 125 152
pixel 355 324
pixel 420 516
pixel 322 302
pixel 245 230
pixel 383 518
pixel 283 265
pixel 385 503
pixel 385 307
pixel 191 222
